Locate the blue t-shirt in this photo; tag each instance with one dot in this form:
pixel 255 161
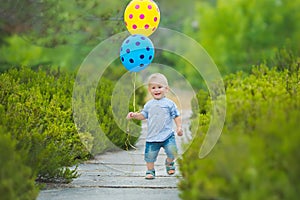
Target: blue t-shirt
pixel 160 114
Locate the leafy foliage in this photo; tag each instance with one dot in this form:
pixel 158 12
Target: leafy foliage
pixel 119 137
pixel 37 108
pixel 39 116
pixel 236 33
pixel 239 33
pixel 61 33
pixel 53 23
pixel 16 179
pixel 257 154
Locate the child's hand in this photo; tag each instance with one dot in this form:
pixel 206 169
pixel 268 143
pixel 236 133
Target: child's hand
pixel 179 131
pixel 130 115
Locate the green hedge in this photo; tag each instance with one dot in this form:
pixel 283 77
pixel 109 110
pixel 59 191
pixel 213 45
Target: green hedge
pixel 39 117
pixel 37 114
pixel 116 136
pixel 16 179
pixel 257 156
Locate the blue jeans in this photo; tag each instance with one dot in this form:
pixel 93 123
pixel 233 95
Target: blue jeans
pixel 152 149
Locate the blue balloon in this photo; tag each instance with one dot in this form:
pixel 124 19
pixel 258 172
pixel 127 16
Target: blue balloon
pixel 137 52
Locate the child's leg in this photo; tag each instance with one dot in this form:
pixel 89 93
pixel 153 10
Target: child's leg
pixel 171 151
pixel 169 160
pixel 151 153
pixel 170 148
pixel 150 165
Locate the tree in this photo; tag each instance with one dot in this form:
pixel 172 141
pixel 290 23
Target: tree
pixel 240 33
pixel 53 23
pixel 70 28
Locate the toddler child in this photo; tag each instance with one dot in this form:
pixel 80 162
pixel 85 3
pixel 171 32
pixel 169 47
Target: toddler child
pixel 160 113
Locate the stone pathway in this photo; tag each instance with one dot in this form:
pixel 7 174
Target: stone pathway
pixel 120 175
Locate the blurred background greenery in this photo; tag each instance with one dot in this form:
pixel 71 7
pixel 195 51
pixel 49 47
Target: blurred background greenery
pixel 255 44
pixel 236 33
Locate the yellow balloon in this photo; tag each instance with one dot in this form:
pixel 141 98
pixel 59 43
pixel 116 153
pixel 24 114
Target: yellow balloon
pixel 142 17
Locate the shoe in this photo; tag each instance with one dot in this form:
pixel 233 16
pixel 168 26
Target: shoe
pixel 150 174
pixel 170 168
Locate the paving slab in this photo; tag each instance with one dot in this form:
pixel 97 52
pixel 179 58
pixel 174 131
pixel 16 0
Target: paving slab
pixel 110 194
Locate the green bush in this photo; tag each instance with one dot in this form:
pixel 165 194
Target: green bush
pixel 16 179
pixel 115 136
pixel 38 113
pixel 257 155
pixel 238 33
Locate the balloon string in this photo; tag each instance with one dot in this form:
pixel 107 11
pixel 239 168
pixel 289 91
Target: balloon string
pixel 134 91
pixel 127 142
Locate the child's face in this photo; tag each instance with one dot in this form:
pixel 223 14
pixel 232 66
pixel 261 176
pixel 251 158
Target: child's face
pixel 157 91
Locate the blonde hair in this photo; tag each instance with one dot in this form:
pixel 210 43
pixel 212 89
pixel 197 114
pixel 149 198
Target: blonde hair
pixel 158 78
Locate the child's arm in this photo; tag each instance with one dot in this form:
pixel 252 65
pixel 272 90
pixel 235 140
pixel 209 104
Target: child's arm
pixel 178 125
pixel 135 115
